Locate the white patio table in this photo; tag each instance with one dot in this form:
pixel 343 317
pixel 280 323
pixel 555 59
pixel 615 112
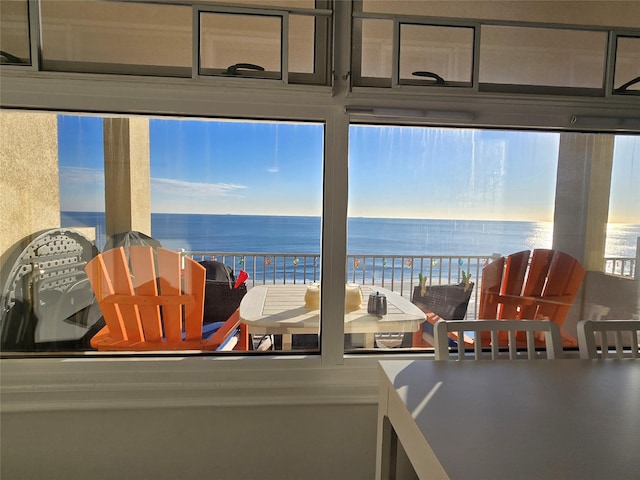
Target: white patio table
pixel 280 309
pixel 537 419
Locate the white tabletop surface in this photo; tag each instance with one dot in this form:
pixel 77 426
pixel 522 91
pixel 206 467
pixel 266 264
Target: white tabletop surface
pixel 281 309
pixel 540 419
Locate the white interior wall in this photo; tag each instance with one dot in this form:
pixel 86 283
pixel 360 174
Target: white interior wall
pixel 187 418
pixel 270 442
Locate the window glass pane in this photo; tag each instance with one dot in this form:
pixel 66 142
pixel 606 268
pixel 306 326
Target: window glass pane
pixel 233 39
pixel 623 229
pixel 544 57
pixel 81 174
pixel 377 49
pixel 301 44
pixel 443 203
pixel 14 33
pixel 243 193
pixel 116 37
pixel 247 194
pixel 445 51
pixel 440 202
pixel 627 63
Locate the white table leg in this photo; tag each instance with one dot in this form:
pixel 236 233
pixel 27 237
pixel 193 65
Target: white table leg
pixel 369 340
pixel 387 441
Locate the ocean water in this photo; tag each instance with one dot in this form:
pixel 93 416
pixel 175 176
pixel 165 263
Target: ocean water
pixel 367 236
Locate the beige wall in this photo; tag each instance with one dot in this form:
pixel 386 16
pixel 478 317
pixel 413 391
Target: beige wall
pixel 29 193
pixel 127 175
pixel 582 197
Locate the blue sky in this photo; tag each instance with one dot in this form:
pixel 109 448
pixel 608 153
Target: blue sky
pixel 452 173
pixel 206 166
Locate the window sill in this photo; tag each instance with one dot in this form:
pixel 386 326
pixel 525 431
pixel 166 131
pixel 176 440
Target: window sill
pixel 54 384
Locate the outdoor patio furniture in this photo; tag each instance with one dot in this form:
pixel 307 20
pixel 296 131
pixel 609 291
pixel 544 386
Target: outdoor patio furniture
pixel 440 302
pixel 537 287
pixel 157 304
pixel 221 299
pixel 625 335
pixel 47 302
pixel 533 330
pixel 282 310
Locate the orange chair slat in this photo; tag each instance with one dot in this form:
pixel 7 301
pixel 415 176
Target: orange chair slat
pixel 513 282
pixel 102 287
pixel 146 287
pixel 491 284
pixel 541 261
pixel 565 277
pixel 193 282
pixel 169 270
pixel 118 270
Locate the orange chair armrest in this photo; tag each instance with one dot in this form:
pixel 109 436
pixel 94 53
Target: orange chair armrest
pixel 224 331
pixel 432 318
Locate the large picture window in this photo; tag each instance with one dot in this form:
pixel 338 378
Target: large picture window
pixel 239 197
pixel 450 201
pixel 427 206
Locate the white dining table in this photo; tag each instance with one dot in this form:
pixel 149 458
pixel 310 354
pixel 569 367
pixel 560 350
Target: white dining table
pixel 538 419
pixel 280 309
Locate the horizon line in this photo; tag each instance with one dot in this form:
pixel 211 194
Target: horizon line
pixel 349 217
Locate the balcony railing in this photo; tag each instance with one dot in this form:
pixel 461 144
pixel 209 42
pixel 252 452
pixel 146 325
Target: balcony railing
pixel 623 266
pixel 620 266
pixel 398 273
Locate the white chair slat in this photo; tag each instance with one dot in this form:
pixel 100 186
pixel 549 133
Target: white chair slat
pixel 625 338
pixel 553 341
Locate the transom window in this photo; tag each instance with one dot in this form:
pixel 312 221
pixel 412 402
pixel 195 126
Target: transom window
pixel 408 47
pixel 283 41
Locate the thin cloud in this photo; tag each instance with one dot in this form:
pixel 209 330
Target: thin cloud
pixel 273 169
pixel 169 187
pixel 81 175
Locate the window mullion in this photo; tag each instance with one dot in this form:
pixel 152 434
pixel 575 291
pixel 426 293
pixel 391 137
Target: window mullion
pixel 35 39
pixel 395 55
pixel 284 48
pixel 610 63
pixel 475 73
pixel 334 238
pixel 195 43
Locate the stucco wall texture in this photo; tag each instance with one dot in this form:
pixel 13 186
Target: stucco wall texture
pixel 30 192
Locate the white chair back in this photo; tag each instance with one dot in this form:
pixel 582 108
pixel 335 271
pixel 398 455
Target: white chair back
pixel 594 333
pixel 551 332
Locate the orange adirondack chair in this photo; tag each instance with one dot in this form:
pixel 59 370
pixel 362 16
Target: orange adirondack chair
pixel 544 287
pixel 157 304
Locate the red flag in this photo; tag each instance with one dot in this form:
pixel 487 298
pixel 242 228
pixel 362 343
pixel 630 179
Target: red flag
pixel 242 276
